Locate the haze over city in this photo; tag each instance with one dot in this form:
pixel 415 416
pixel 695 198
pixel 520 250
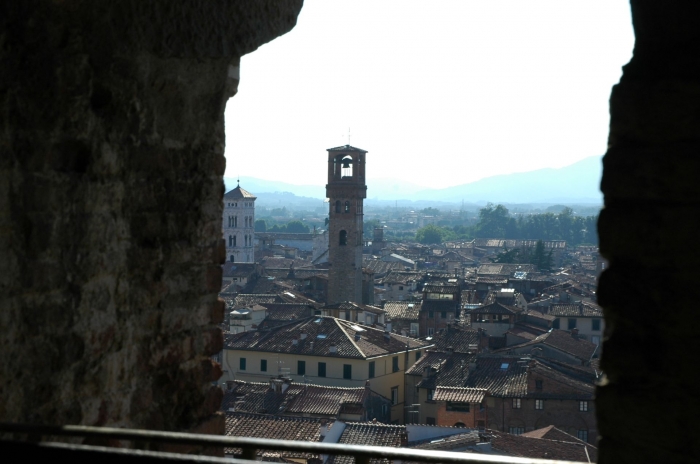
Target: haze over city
pixel 439 97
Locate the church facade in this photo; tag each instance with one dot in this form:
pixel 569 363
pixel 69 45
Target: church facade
pixel 239 225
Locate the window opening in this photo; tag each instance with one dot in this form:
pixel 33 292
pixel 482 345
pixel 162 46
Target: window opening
pixel 343 239
pixel 347 167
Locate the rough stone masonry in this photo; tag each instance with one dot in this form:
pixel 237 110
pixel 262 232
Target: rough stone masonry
pixel 111 165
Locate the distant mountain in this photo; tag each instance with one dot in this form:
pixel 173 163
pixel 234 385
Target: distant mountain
pixel 576 183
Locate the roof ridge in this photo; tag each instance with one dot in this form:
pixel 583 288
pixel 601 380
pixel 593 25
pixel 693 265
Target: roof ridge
pixel 337 321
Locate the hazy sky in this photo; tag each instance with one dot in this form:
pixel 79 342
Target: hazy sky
pixel 439 93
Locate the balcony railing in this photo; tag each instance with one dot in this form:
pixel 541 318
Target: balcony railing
pixel 33 448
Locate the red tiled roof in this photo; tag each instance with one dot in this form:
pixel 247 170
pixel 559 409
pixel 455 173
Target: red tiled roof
pixel 504 376
pixel 460 394
pixel 322 332
pixel 529 447
pixel 272 428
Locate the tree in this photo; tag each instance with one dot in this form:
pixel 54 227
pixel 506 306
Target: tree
pixel 541 258
pixel 493 221
pixel 429 234
pixel 297 227
pixel 260 225
pixel 430 211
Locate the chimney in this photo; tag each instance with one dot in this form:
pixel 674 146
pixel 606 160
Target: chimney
pixel 404 439
pixel 357 337
pixel 388 327
pixel 450 350
pixel 574 332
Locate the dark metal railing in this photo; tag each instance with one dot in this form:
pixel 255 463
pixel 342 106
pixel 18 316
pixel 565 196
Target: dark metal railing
pixel 35 446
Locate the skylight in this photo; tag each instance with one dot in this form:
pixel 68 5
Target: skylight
pixel 321 336
pixel 357 328
pixel 504 366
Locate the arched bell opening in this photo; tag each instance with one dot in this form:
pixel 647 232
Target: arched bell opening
pixel 347 167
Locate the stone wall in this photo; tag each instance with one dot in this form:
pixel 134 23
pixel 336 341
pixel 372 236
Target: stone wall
pixel 648 408
pixel 111 192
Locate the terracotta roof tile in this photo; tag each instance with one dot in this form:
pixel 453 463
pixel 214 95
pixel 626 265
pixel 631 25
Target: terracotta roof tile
pixel 459 394
pixel 272 428
pixel 322 332
pixel 529 447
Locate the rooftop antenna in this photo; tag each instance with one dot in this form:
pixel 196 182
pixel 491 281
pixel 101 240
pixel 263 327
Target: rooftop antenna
pixel 238 180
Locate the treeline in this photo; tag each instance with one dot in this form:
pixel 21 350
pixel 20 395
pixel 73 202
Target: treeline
pixel 495 221
pixel 292 227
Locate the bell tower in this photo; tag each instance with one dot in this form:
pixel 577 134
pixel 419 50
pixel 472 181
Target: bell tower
pixel 346 190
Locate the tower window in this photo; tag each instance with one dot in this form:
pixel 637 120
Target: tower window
pixel 234 241
pixel 347 206
pixel 343 238
pixel 347 167
pixel 337 206
pixel 232 259
pixel 231 241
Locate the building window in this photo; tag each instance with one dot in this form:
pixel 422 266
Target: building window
pixel 418 355
pixel 431 330
pixel 241 364
pixel 321 369
pixel 301 367
pixel 443 314
pixel 538 384
pixel 461 407
pixel 516 403
pixel 395 364
pixel 582 435
pixel 234 240
pixel 232 259
pixel 400 287
pixel 347 206
pixel 572 323
pixel 371 370
pixel 431 394
pixel 394 395
pixel 337 206
pixel 516 430
pixel 343 238
pixel 539 404
pixel 595 324
pixel 430 314
pixel 583 406
pixel 263 365
pixel 555 324
pixel 347 371
pixel 430 420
